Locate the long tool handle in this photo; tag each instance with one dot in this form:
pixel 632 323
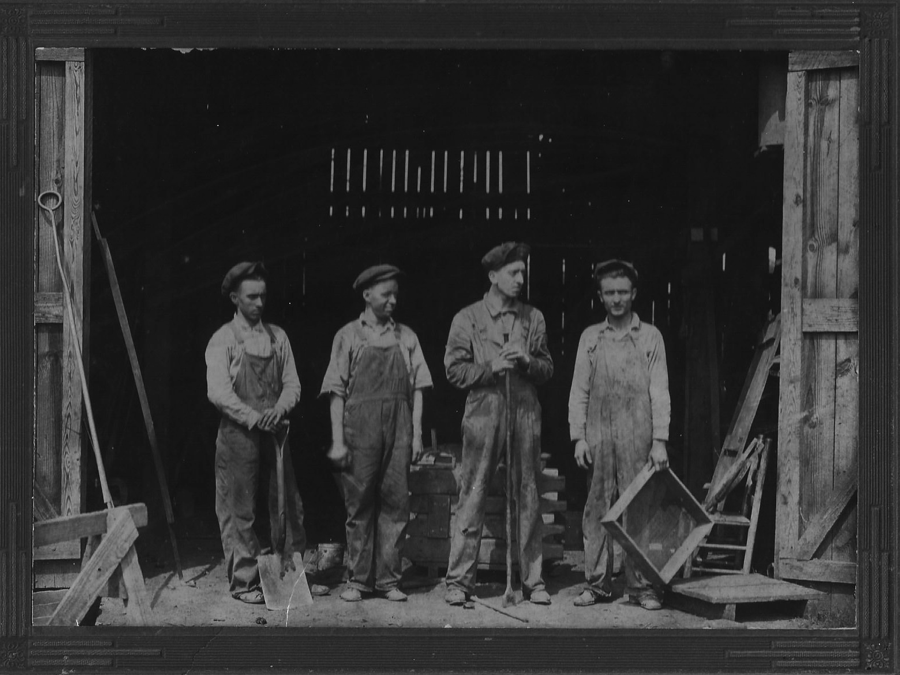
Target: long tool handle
pixel 76 345
pixel 141 389
pixel 279 478
pixel 509 483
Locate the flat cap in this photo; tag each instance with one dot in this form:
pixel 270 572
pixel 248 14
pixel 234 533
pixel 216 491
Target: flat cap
pixel 240 272
pixel 615 265
pixel 373 275
pixel 504 254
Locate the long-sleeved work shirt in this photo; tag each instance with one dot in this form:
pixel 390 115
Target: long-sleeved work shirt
pixel 476 339
pixel 223 361
pixel 365 331
pixel 650 341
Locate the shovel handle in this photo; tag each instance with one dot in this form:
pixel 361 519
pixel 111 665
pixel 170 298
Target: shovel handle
pixel 279 478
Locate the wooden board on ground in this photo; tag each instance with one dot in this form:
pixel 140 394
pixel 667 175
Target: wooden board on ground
pixel 730 596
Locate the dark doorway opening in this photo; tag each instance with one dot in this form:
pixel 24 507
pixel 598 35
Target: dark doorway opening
pixel 205 158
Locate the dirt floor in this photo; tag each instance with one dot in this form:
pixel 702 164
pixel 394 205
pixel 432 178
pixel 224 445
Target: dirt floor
pixel 202 599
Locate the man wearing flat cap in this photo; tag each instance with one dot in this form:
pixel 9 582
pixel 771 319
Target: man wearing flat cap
pixel 374 381
pixel 496 338
pixel 619 413
pixel 252 380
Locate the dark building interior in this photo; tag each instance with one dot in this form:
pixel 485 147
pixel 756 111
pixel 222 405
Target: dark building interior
pixel 322 162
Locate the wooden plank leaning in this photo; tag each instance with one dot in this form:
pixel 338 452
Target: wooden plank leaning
pixel 120 536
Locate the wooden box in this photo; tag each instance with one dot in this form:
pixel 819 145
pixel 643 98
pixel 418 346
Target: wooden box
pixel 433 499
pixel 658 523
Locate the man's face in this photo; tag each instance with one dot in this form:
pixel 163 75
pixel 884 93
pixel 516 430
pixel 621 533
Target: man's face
pixel 509 279
pixel 250 299
pixel 382 298
pixel 617 295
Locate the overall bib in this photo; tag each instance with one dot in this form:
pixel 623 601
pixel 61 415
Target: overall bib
pixel 484 446
pixel 241 456
pixel 378 433
pixel 619 436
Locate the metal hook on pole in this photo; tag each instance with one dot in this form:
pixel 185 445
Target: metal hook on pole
pixel 49 209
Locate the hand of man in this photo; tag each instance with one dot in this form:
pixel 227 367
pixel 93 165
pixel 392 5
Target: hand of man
pixel 417 448
pixel 659 457
pixel 501 364
pixel 515 352
pixel 583 454
pixel 339 455
pixel 270 419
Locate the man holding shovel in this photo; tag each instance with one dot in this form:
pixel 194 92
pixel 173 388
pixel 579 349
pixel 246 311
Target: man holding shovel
pixel 619 411
pixel 497 348
pixel 252 380
pixel 374 382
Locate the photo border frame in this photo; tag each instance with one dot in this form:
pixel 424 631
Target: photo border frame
pixel 869 27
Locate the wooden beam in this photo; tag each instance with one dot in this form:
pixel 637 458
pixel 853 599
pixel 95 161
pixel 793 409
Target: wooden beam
pixel 820 571
pixel 830 315
pixel 121 535
pixel 139 611
pixel 73 253
pixel 59 54
pixel 798 61
pixel 48 308
pixel 821 524
pixel 68 528
pixel 790 416
pixel 43 508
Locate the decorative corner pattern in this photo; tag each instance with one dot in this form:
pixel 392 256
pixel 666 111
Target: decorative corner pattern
pixel 877 656
pixel 877 24
pixel 13 21
pixel 808 23
pixel 12 655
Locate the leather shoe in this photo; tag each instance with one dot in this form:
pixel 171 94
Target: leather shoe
pixel 648 600
pixel 395 595
pixel 590 597
pixel 318 590
pixel 351 595
pixel 455 596
pixel 540 597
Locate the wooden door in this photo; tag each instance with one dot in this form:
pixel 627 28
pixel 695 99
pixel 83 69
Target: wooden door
pixel 60 138
pixel 819 390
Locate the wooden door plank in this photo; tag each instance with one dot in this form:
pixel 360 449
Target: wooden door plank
pixel 48 338
pixel 821 60
pixel 841 542
pixel 73 255
pixel 818 528
pixel 119 538
pixel 790 415
pixel 820 571
pixel 831 315
pixel 756 505
pixel 820 248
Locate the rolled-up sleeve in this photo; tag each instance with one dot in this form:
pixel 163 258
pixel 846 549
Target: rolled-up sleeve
pixel 290 381
pixel 459 357
pixel 337 376
pixel 421 375
pixel 580 390
pixel 660 403
pixel 540 369
pixel 219 387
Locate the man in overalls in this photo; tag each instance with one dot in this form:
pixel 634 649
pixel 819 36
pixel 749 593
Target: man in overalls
pixel 498 337
pixel 251 378
pixel 375 381
pixel 619 413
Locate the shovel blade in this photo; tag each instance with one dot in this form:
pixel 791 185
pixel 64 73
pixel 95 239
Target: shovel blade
pixel 283 592
pixel 509 599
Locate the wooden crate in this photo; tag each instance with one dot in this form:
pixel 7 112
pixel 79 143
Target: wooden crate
pixel 658 523
pixel 434 495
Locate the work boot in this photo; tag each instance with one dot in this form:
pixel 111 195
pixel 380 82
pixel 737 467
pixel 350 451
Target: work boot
pixel 455 596
pixel 318 590
pixel 590 596
pixel 540 597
